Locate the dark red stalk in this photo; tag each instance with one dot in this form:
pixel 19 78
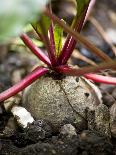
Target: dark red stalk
pixel 34 75
pixel 46 41
pixel 35 49
pixel 101 79
pixel 70 41
pixel 79 37
pixel 83 71
pixel 52 42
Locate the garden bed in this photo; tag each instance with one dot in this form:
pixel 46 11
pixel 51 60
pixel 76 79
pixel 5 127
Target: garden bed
pixel 40 137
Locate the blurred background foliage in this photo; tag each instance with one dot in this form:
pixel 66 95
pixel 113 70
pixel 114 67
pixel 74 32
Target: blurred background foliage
pixel 15 14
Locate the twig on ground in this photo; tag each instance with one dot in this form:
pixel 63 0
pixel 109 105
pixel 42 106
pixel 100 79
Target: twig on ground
pixel 103 34
pixel 76 54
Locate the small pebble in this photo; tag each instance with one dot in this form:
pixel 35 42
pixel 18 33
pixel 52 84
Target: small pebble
pixel 68 130
pixel 114 93
pixel 113 120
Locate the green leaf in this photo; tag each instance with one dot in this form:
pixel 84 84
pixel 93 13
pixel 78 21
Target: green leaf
pixel 28 28
pixel 81 4
pixel 15 14
pixel 58 34
pixel 45 21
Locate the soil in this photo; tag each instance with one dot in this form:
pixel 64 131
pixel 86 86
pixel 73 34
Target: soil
pixel 39 138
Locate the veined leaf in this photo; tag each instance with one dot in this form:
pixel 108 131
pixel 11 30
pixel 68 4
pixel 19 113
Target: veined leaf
pixel 45 21
pixel 15 14
pixel 58 34
pixel 81 6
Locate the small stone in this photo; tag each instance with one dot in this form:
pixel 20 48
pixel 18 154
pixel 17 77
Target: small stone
pixel 107 88
pixel 22 116
pixel 68 130
pixel 113 120
pixel 114 93
pixel 108 99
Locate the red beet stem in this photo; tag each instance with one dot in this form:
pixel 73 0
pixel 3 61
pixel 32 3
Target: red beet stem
pixel 35 49
pixel 84 70
pixel 101 79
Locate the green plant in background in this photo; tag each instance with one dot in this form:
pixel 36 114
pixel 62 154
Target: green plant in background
pixel 50 31
pixel 15 14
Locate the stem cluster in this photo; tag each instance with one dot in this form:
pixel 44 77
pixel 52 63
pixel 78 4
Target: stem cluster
pixel 59 64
